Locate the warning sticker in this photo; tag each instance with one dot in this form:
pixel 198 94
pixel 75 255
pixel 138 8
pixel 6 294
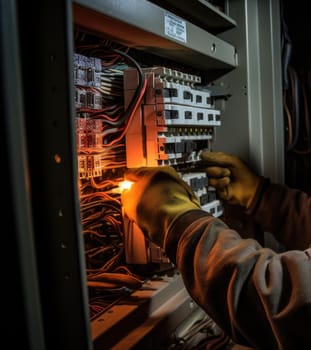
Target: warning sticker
pixel 175 27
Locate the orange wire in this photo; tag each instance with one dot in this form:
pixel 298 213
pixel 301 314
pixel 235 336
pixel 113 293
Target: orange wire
pixel 131 115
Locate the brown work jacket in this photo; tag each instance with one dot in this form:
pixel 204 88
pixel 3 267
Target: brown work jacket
pixel 260 297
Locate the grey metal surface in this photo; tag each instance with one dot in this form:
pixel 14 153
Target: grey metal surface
pixel 147 318
pixel 141 24
pixel 49 122
pixel 252 118
pixel 199 12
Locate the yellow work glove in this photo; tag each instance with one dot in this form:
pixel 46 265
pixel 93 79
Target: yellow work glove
pixel 157 197
pixel 234 181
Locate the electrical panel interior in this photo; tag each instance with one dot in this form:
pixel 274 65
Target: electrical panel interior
pixel 151 89
pixel 134 110
pixel 130 115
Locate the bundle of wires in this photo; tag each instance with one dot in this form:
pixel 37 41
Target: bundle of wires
pixel 108 278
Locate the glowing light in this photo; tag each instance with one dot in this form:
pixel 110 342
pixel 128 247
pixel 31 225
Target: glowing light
pixel 125 185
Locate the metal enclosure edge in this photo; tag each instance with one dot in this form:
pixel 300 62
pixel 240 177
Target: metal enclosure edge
pixel 46 51
pixel 256 89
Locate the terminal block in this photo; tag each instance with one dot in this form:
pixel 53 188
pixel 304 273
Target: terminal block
pixel 175 121
pixel 89 166
pixel 206 194
pixel 86 70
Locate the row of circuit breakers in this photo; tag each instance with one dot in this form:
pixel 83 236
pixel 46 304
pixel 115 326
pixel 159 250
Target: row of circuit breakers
pixel 174 122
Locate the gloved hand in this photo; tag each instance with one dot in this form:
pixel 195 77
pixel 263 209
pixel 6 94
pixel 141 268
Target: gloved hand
pixel 234 181
pixel 157 197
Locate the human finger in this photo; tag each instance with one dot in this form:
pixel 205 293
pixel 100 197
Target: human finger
pixel 219 182
pixel 217 172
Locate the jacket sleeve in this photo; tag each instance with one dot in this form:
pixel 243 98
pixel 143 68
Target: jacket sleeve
pixel 284 212
pixel 260 298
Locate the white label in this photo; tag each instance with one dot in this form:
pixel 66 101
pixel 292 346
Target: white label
pixel 175 27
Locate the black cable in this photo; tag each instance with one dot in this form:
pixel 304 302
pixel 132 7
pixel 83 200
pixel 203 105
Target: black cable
pixel 286 49
pixel 296 110
pixel 141 78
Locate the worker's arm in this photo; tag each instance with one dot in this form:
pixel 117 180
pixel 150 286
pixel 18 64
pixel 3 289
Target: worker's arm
pixel 284 212
pixel 260 298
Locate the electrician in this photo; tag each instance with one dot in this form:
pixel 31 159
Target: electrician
pixel 259 297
